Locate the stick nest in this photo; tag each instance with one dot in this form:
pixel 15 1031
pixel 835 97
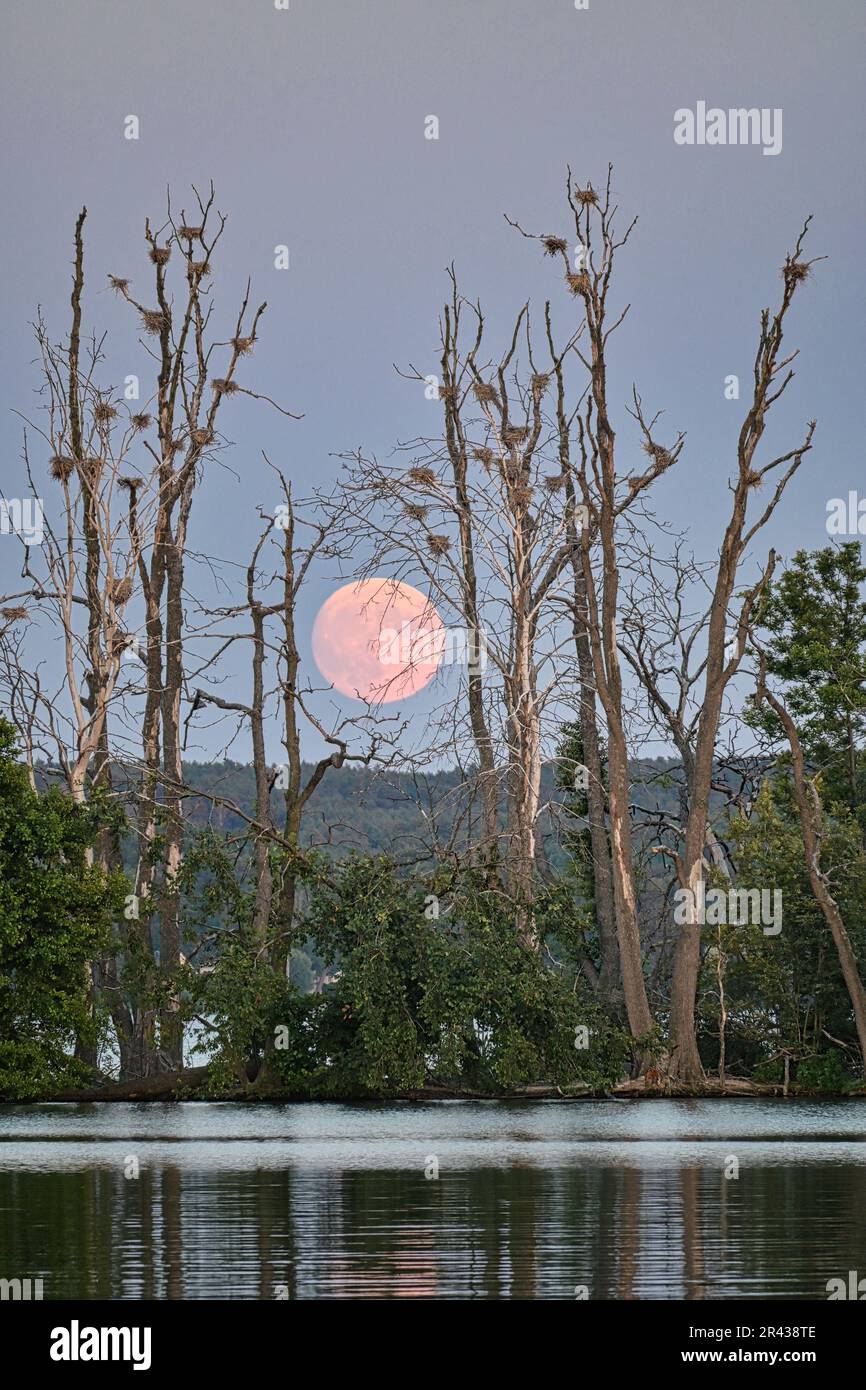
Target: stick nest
pixel 154 320
pixel 578 282
pixel 422 477
pixel 554 245
pixel 61 467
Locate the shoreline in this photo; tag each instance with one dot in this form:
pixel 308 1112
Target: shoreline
pixel 191 1086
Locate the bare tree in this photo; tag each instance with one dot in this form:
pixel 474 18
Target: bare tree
pixel 600 490
pixel 480 520
pixel 187 404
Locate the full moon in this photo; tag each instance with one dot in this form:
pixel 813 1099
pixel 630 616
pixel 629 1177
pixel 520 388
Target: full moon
pixel 378 640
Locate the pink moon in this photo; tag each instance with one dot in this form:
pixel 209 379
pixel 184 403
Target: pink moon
pixel 378 640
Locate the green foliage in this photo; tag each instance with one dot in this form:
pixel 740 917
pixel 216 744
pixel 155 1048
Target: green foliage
pixel 815 618
pixel 437 985
pixel 55 915
pixel 823 1073
pixel 786 991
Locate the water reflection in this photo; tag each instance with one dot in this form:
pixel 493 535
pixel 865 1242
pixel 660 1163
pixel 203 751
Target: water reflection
pixel 323 1202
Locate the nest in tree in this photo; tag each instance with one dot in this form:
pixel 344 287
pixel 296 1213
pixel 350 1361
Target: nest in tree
pixel 191 233
pixel 175 445
pixel 93 464
pixel 754 479
pixel 224 386
pixel 160 254
pixel 415 512
pixel 142 422
pixel 555 482
pixel 13 615
pixel 200 267
pixel 539 383
pixel 447 393
pixel 242 346
pixel 522 495
pixel 424 477
pixel 130 484
pixel 439 545
pixel 796 271
pixel 587 197
pixel 61 467
pixel 515 434
pixel 154 320
pixel 119 284
pixel 657 452
pixel 103 411
pixel 578 282
pixel 484 455
pixel 122 590
pixel 553 245
pixel 202 437
pixel 484 393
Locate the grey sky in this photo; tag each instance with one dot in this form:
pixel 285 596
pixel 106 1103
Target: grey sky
pixel 311 125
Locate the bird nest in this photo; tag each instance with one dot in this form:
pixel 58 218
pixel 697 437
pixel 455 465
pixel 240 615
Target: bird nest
pixel 796 271
pixel 61 467
pixel 415 512
pixel 578 282
pixel 422 477
pixel 154 320
pixel 515 434
pixel 554 245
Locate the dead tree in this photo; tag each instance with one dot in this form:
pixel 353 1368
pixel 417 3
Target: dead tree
pixel 601 491
pixel 279 700
pixel 475 522
pixel 187 403
pixel 81 579
pixel 726 636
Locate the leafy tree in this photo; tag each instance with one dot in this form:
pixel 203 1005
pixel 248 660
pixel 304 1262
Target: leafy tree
pixel 785 992
pixel 816 620
pixel 56 910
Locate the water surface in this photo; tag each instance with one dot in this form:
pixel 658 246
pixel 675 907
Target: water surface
pixel 476 1199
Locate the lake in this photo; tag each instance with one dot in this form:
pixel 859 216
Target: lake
pixel 607 1199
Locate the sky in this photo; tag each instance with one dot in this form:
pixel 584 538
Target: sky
pixel 311 123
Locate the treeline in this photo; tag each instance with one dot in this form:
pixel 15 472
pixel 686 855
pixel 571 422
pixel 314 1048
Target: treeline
pixel 549 908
